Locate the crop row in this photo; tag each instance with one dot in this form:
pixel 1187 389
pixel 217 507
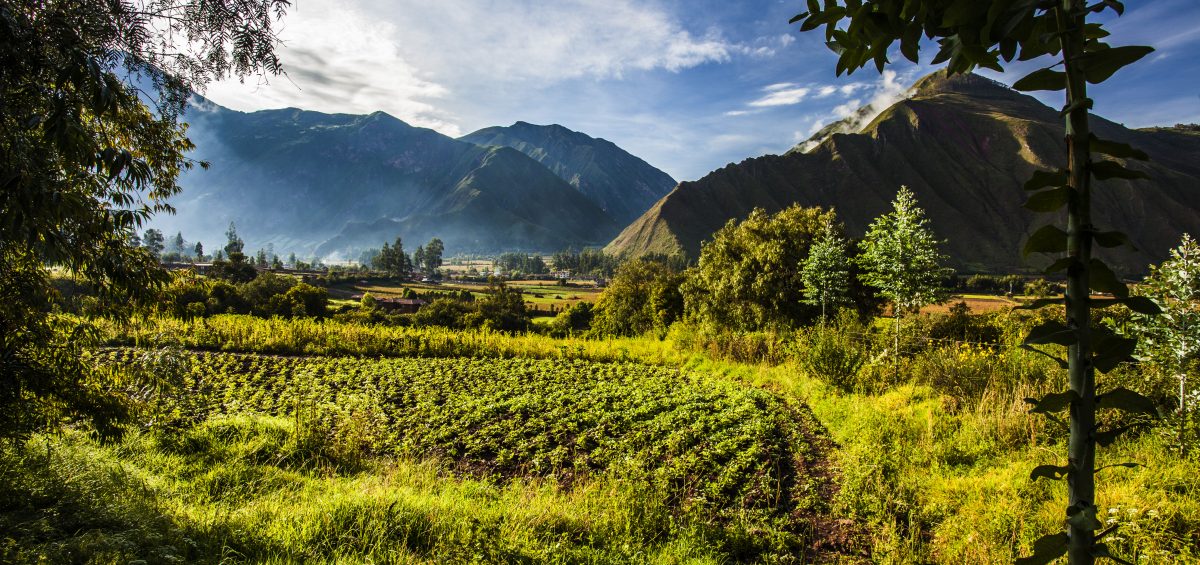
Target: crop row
pixel 710 444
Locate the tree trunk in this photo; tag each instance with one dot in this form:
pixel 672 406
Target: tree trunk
pixel 1081 447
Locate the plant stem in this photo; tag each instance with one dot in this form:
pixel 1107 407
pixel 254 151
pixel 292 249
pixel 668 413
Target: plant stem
pixel 1081 447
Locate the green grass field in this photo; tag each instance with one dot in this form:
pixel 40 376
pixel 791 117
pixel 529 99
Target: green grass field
pixel 294 441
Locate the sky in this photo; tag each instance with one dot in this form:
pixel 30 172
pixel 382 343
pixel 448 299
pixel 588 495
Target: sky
pixel 689 86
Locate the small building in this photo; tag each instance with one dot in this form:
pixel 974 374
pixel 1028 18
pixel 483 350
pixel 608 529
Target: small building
pixel 400 305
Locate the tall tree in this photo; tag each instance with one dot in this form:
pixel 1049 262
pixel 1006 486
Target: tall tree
pixel 748 277
pixel 418 258
pixel 643 296
pixel 199 250
pixel 900 257
pixel 233 243
pixel 153 241
pixel 433 256
pixel 87 157
pixel 1172 338
pixel 976 33
pixel 826 271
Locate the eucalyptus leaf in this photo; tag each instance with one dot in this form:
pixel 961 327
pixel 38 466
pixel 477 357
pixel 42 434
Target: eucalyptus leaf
pixel 1104 280
pixel 1049 472
pixel 1049 200
pixel 1104 170
pixel 1116 149
pixel 1126 400
pixel 1046 549
pixel 1043 179
pixel 1099 65
pixel 1053 402
pixel 1047 239
pixel 1042 79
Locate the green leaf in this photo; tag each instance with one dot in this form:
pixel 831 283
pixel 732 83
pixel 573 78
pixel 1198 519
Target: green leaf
pixel 1101 550
pixel 1061 363
pixel 1127 400
pixel 1126 465
pixel 1099 65
pixel 1049 200
pixel 1106 438
pixel 1042 79
pixel 1112 350
pixel 1043 179
pixel 1139 304
pixel 1116 149
pixel 1046 549
pixel 1110 238
pixel 1104 170
pixel 1064 263
pixel 1047 239
pixel 1102 279
pixel 1053 402
pixel 1084 517
pixel 1050 332
pixel 1049 471
pixel 911 41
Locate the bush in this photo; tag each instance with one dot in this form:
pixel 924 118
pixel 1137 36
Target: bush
pixel 833 356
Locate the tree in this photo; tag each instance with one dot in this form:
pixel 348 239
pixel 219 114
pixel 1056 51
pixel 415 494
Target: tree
pixel 418 258
pixel 90 149
pixel 152 240
pixel 199 249
pixel 748 277
pixel 392 259
pixel 973 33
pixel 900 257
pixel 642 296
pixel 233 243
pixel 1172 338
pixel 433 256
pixel 177 244
pixel 826 271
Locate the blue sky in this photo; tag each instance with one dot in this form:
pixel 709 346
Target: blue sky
pixel 688 86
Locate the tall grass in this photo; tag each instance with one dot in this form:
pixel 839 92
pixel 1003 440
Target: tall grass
pixel 246 489
pixel 279 336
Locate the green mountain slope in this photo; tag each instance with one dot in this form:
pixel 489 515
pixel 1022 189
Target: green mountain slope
pixel 313 182
pixel 621 183
pixel 965 145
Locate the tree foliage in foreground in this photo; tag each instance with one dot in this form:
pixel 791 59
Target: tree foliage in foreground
pixel 1172 338
pixel 749 275
pixel 974 33
pixel 826 271
pixel 643 296
pixel 901 257
pixel 87 157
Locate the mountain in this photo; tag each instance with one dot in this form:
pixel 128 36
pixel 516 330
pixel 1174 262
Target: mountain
pixel 622 184
pixel 965 145
pixel 334 184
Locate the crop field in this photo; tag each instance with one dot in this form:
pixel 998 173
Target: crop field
pixel 721 454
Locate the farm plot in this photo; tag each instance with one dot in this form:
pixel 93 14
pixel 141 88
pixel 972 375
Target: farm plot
pixel 712 446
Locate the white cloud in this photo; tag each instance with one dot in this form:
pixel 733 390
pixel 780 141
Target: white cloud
pixel 414 59
pixel 548 42
pixel 781 97
pixel 339 60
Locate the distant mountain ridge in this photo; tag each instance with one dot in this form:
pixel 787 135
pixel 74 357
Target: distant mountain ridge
pixel 622 184
pixel 965 145
pixel 335 184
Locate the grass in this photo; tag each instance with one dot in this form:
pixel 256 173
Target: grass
pixel 233 494
pixel 915 468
